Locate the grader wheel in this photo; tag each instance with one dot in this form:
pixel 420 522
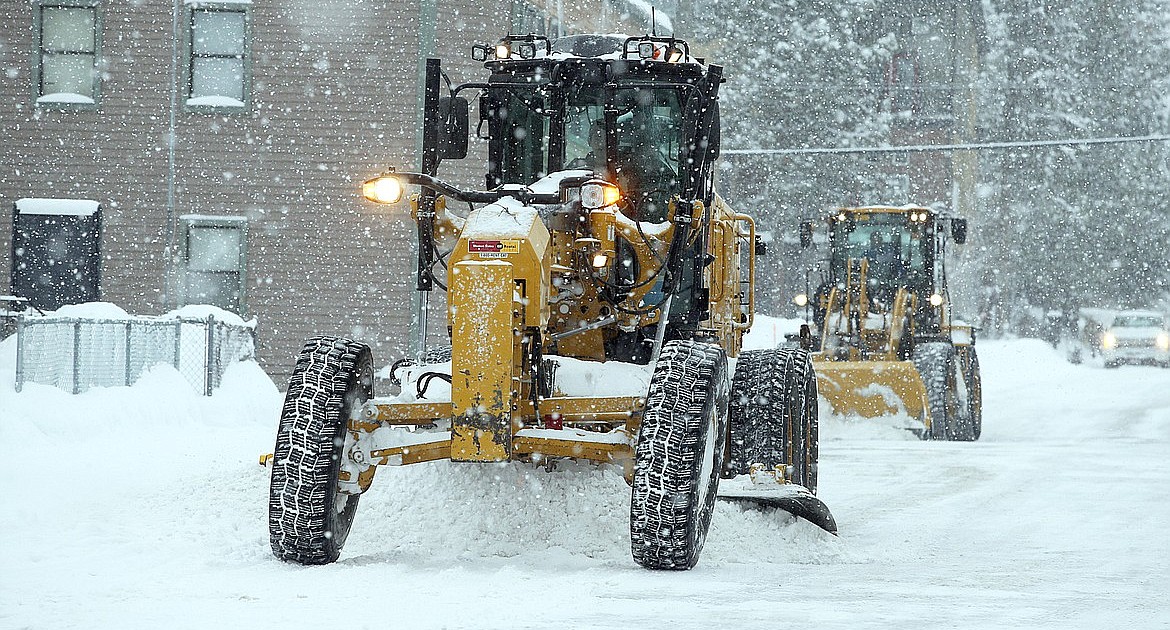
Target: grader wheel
pixel 679 455
pixel 308 517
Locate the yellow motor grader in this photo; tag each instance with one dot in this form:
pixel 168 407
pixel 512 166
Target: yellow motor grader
pixel 597 292
pixel 885 339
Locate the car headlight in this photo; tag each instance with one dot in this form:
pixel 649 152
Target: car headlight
pixel 1108 341
pixel 801 299
pixel 1163 341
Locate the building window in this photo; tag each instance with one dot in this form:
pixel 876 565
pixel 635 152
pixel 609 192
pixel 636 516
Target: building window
pixel 219 68
pixel 214 260
pixel 902 83
pixel 56 251
pixel 68 38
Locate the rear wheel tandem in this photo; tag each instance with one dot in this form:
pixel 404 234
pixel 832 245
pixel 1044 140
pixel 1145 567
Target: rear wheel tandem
pixel 773 414
pixel 679 455
pixel 309 517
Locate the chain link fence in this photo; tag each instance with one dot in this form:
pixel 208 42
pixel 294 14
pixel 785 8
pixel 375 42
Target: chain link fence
pixel 76 354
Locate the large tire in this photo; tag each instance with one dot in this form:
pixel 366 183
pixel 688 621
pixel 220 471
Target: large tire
pixel 679 455
pixel 935 362
pixel 308 516
pixel 773 414
pixel 970 421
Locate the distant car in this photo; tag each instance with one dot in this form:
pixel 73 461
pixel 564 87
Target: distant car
pixel 1136 337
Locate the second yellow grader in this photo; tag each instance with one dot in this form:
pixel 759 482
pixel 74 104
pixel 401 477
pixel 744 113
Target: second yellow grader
pixel 886 340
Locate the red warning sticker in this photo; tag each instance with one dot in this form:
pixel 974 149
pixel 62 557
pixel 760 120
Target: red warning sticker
pixel 493 247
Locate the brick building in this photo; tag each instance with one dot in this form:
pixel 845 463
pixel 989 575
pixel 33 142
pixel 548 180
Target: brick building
pixel 156 153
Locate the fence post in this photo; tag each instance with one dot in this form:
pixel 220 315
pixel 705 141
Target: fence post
pixel 126 355
pixel 19 352
pixel 178 343
pixel 210 352
pixel 76 358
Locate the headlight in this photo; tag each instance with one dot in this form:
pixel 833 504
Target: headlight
pixel 1163 341
pixel 935 299
pixel 383 189
pixel 800 299
pixel 599 194
pixel 1108 340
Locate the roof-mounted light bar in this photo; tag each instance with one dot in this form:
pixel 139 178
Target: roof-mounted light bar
pixel 651 48
pixel 513 47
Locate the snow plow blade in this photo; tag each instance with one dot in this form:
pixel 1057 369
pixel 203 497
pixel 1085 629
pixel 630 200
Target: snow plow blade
pixel 792 498
pixel 872 389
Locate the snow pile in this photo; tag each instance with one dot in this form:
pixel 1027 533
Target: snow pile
pixel 90 310
pixel 144 507
pixel 577 516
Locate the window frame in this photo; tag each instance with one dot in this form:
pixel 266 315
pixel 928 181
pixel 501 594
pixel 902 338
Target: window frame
pixel 38 54
pixel 190 8
pixel 189 221
pixel 896 90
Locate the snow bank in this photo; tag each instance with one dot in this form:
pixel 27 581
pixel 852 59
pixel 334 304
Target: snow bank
pixel 90 310
pixel 144 507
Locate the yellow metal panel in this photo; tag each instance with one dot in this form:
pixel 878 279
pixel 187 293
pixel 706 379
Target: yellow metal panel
pixel 580 449
pixel 375 414
pixel 610 408
pixel 482 360
pixel 872 388
pixel 519 237
pixel 414 454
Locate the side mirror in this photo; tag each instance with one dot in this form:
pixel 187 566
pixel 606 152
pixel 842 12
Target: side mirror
pixel 453 127
pixel 761 246
pixel 806 234
pixel 959 230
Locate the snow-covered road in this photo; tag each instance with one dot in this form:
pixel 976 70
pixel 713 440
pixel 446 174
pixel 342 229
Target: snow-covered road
pixel 143 507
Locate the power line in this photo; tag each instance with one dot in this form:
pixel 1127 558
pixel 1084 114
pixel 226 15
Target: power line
pixel 973 146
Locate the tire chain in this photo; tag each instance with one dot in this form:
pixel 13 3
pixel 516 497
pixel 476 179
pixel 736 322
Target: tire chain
pixel 773 401
pixel 306 460
pixel 662 520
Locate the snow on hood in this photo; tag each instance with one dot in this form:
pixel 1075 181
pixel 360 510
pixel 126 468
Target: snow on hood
pixel 551 183
pixel 509 218
pixel 503 219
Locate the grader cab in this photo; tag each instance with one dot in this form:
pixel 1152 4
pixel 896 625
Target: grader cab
pixel 886 341
pixel 595 292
